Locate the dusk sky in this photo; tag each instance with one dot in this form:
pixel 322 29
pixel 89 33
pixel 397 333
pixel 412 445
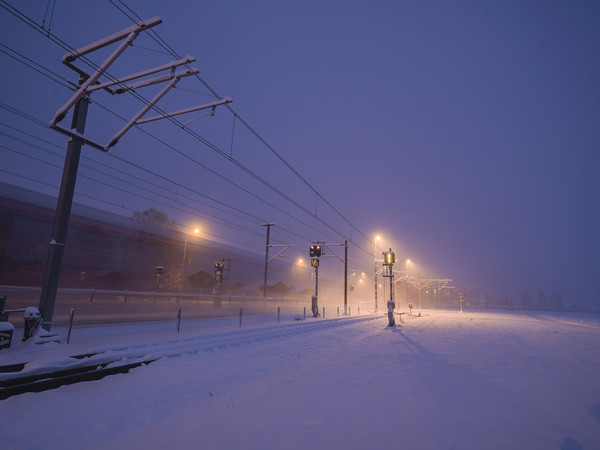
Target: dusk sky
pixel 464 133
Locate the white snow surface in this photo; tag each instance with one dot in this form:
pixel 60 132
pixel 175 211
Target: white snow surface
pixel 445 380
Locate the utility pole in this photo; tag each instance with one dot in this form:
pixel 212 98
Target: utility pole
pixel 315 250
pixel 79 104
pixel 375 278
pixel 419 284
pixel 61 218
pixel 346 277
pixel 315 298
pixel 268 225
pixel 389 258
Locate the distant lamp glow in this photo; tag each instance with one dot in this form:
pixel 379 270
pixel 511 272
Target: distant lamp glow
pixel 196 230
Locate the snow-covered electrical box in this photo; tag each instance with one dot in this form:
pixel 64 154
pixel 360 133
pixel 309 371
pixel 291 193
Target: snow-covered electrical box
pixel 6 332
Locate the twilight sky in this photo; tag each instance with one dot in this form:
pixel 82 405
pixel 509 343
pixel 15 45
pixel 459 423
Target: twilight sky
pixel 465 133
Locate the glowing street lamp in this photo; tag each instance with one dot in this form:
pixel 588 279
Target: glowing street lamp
pixel 377 238
pixel 407 277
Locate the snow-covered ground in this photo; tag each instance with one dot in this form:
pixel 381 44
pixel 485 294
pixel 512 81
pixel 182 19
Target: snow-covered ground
pixel 442 381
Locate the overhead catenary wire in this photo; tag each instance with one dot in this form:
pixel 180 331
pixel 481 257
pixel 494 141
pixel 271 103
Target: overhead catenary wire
pixel 39 122
pixel 109 203
pixel 166 46
pixel 51 15
pixel 192 209
pixel 37 67
pixel 250 216
pixel 33 119
pixel 65 46
pixel 130 175
pixel 238 164
pixel 288 232
pixel 224 178
pixel 188 210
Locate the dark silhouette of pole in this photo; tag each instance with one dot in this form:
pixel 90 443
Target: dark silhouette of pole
pixel 375 274
pixel 61 218
pixel 268 225
pixel 346 277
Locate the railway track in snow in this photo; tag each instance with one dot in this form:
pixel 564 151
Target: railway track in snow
pixel 99 362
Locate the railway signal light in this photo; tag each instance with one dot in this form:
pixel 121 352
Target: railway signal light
pixel 219 268
pixel 389 258
pixel 315 251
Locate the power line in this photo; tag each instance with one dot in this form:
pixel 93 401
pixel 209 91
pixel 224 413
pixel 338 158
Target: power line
pixel 204 166
pixel 167 47
pixel 31 64
pixel 215 218
pixel 79 194
pixel 38 122
pixel 51 14
pixel 258 219
pixel 161 42
pixel 191 210
pixel 65 46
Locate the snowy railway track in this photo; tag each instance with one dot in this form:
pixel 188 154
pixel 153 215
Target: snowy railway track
pixel 99 362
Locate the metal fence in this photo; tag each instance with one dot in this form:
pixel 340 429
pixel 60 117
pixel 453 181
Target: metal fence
pixel 108 306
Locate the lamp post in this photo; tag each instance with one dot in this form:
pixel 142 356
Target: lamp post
pixel 388 264
pixel 268 225
pixel 407 276
pixel 375 259
pixel 419 285
pixel 299 261
pixel 196 231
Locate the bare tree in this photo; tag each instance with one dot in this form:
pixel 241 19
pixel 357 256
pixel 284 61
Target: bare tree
pixel 526 300
pixel 556 302
pixel 153 216
pixel 172 278
pixel 541 301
